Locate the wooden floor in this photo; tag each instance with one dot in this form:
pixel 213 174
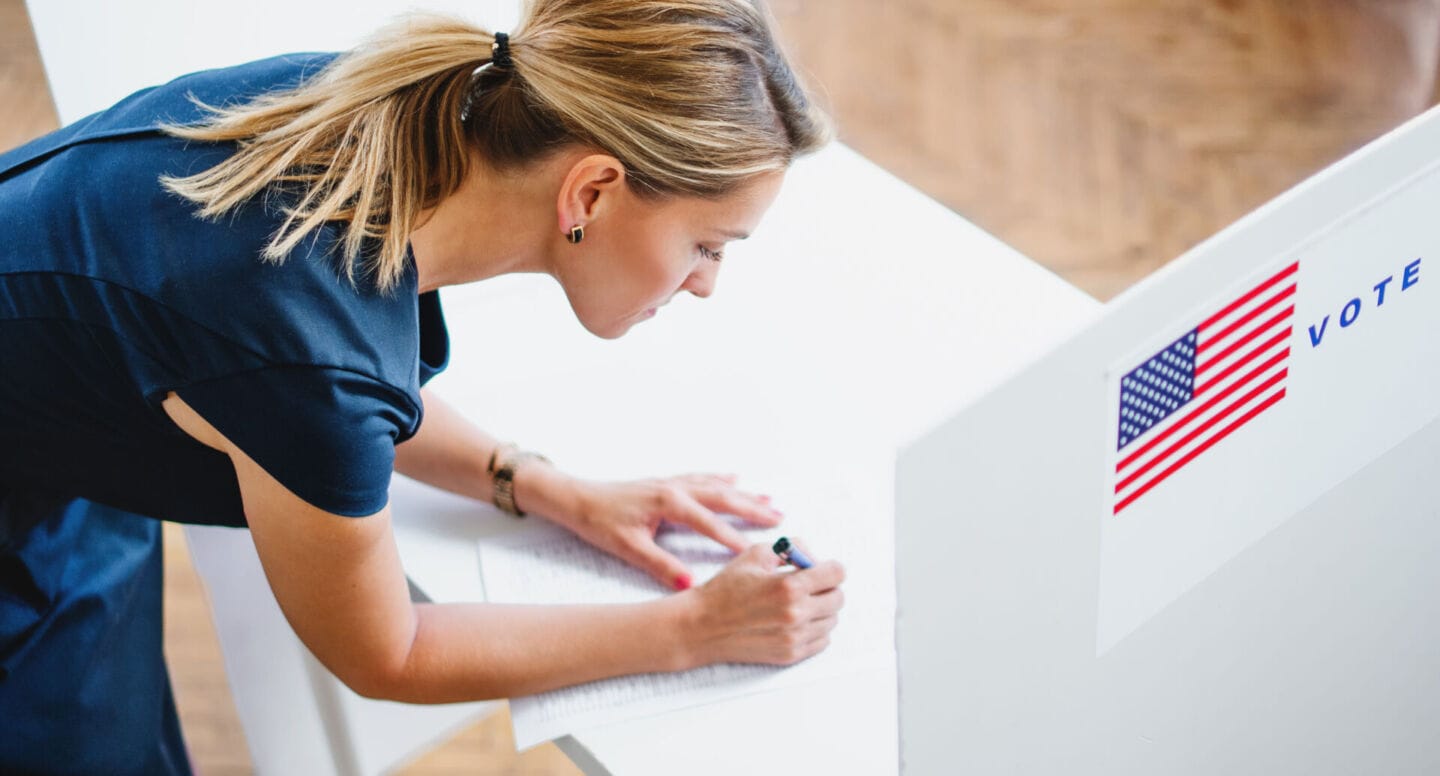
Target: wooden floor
pixel 1103 138
pixel 1100 137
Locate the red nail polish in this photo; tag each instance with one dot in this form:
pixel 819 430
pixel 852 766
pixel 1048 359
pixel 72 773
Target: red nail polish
pixel 682 582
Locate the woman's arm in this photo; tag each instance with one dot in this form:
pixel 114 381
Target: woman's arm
pixel 451 453
pixel 340 584
pixel 622 519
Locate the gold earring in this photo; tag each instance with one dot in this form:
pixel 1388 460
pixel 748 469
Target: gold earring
pixel 577 233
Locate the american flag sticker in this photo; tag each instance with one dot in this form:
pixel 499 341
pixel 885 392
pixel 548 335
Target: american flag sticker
pixel 1203 386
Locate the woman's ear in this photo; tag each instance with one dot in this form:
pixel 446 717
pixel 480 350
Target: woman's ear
pixel 590 188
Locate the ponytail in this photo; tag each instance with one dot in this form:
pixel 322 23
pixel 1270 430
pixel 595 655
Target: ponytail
pixel 692 96
pixel 372 140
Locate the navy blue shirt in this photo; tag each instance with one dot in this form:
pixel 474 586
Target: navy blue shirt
pixel 113 292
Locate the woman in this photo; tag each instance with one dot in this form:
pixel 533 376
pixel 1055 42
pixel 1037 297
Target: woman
pixel 218 305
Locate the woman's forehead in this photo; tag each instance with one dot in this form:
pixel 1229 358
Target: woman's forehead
pixel 734 215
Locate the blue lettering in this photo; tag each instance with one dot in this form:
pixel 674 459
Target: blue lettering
pixel 1348 317
pixel 1316 336
pixel 1351 311
pixel 1412 275
pixel 1380 290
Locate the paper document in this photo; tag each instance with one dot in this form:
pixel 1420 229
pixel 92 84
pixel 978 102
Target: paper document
pixel 547 565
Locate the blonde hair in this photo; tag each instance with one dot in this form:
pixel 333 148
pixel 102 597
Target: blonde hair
pixel 692 96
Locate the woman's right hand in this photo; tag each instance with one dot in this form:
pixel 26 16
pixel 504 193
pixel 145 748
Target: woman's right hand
pixel 752 613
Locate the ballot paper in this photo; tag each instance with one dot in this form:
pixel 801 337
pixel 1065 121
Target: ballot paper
pixel 548 565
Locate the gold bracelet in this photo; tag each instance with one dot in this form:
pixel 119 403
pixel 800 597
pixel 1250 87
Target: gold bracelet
pixel 502 475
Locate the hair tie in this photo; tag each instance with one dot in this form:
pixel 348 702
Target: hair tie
pixel 500 51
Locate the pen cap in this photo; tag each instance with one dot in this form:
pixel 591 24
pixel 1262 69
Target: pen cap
pixel 791 554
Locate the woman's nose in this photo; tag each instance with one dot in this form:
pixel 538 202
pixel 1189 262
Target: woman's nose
pixel 702 282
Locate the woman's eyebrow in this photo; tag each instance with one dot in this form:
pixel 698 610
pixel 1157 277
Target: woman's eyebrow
pixel 733 235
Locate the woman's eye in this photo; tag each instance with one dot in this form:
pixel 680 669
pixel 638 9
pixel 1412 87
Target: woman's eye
pixel 712 255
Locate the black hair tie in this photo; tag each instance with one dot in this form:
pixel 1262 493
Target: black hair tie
pixel 500 51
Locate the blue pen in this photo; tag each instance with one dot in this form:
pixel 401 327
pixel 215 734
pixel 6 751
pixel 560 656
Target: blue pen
pixel 791 554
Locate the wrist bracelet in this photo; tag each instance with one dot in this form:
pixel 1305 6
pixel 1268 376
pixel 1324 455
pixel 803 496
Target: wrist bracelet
pixel 502 475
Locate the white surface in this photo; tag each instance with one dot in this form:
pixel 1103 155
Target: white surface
pixel 821 352
pixel 1274 632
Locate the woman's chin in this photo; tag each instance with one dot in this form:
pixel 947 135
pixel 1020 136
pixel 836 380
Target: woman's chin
pixel 618 329
pixel 613 330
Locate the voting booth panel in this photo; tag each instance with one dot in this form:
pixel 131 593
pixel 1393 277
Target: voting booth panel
pixel 1200 536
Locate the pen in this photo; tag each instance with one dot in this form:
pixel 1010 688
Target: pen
pixel 791 554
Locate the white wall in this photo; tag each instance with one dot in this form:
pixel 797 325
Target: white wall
pixel 160 39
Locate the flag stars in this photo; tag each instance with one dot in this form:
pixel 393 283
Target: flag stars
pixel 1157 388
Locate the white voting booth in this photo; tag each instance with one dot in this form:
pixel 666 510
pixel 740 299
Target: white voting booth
pixel 1201 535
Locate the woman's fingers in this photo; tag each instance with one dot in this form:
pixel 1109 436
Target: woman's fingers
pixel 768 617
pixel 718 492
pixel 815 647
pixel 661 565
pixel 687 511
pixel 760 553
pixel 707 478
pixel 742 505
pixel 819 628
pixel 827 604
pixel 822 576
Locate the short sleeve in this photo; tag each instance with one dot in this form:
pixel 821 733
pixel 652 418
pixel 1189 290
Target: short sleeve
pixel 434 337
pixel 328 435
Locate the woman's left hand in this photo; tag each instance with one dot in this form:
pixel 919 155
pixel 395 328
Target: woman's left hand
pixel 622 518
